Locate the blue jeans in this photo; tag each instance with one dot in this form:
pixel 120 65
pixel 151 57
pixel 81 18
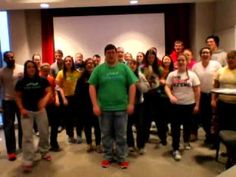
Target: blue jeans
pixel 114 127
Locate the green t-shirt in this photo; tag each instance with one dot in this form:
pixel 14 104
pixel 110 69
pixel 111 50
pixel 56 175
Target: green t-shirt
pixel 112 83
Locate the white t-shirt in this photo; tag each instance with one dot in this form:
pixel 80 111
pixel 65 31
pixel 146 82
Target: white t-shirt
pixel 206 74
pixel 8 79
pixel 182 86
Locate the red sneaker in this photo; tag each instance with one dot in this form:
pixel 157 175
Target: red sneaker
pixel 27 168
pixel 105 163
pixel 11 156
pixel 47 157
pixel 124 165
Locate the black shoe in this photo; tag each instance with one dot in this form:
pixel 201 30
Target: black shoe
pixel 164 142
pixel 223 154
pixel 213 146
pixel 208 141
pixel 55 149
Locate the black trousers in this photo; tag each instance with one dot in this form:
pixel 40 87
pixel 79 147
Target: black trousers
pixel 69 116
pixel 154 110
pixel 163 117
pixel 90 120
pixel 226 113
pixel 136 119
pixel 53 113
pixel 182 115
pixel 205 115
pixel 10 110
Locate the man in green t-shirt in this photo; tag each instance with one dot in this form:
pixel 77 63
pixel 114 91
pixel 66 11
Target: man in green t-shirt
pixel 112 91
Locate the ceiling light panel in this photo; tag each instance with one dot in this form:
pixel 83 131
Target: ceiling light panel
pixel 133 1
pixel 34 1
pixel 44 5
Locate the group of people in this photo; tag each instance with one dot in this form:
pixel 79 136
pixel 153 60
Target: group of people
pixel 113 97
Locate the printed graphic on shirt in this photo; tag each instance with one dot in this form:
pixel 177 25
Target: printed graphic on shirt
pixel 113 76
pixel 32 85
pixel 71 78
pixel 178 82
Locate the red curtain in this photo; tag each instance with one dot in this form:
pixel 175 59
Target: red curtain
pixel 47 37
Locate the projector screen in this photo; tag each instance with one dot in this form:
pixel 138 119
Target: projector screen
pixel 90 34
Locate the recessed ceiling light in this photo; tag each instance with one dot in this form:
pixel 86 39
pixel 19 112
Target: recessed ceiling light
pixel 44 5
pixel 133 1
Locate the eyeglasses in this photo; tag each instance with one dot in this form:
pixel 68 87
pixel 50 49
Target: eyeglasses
pixel 89 63
pixel 231 58
pixel 181 60
pixel 11 57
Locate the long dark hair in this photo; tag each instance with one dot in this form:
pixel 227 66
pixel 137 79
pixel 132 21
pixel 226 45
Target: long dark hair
pixel 155 65
pixel 171 67
pixel 72 67
pixel 87 74
pixel 25 69
pixel 143 62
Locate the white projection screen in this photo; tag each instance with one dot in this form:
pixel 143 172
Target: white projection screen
pixel 90 34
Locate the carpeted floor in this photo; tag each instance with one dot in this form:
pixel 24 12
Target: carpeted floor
pixel 74 161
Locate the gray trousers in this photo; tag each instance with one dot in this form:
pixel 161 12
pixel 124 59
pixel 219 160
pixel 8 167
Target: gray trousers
pixel 41 120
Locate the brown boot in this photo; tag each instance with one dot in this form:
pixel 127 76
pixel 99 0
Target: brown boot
pixel 90 148
pixel 193 137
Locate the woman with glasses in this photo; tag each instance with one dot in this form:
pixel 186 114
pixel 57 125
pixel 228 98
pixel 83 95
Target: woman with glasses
pixel 85 108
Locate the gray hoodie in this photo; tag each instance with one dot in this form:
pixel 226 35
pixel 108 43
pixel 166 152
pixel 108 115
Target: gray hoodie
pixel 220 56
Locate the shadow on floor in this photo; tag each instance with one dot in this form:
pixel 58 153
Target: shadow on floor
pixel 201 159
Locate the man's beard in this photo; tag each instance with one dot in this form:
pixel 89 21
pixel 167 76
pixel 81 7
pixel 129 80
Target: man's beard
pixel 11 64
pixel 79 65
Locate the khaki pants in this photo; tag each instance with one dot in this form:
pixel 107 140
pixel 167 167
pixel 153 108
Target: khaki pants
pixel 40 117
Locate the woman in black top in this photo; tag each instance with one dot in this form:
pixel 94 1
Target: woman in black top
pixel 33 93
pixel 85 108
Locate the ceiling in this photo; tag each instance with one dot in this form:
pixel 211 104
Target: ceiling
pixel 35 4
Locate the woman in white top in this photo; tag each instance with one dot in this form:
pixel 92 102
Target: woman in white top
pixel 206 70
pixel 183 89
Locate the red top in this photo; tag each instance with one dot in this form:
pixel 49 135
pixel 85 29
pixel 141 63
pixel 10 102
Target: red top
pixel 52 83
pixel 192 62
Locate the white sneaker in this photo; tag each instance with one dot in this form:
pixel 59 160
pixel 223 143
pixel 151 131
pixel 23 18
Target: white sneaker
pixel 176 155
pixel 141 151
pixel 37 157
pixel 72 140
pixel 187 146
pixel 131 149
pixel 79 140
